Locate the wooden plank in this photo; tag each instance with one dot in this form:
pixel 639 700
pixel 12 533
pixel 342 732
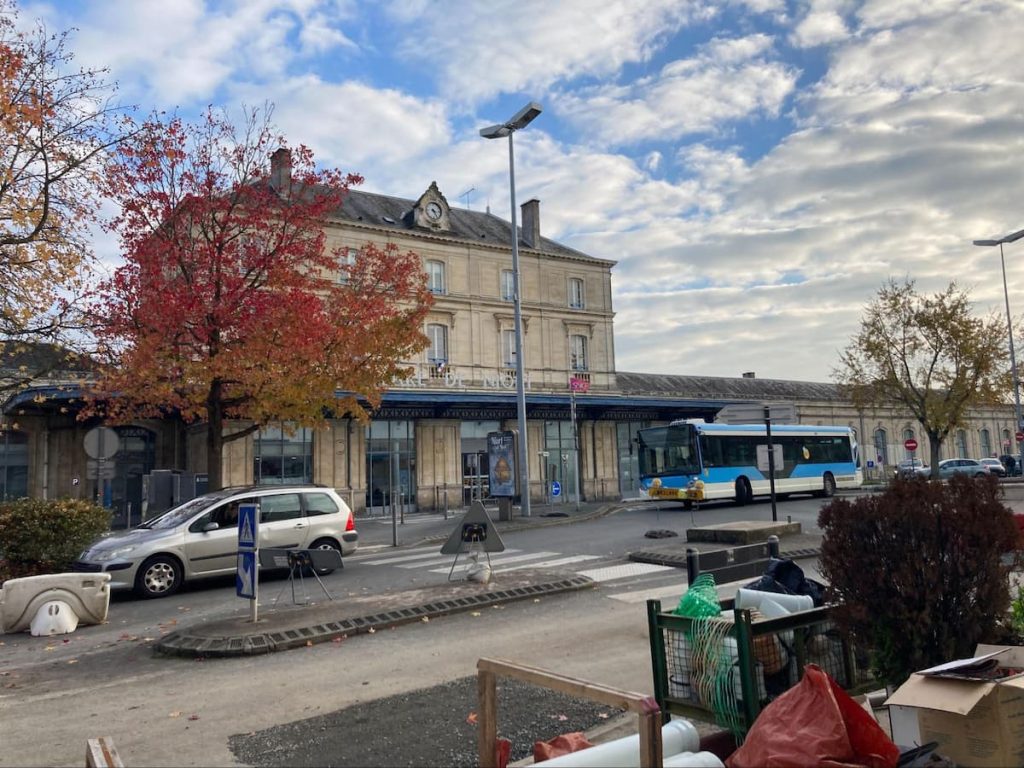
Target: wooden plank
pixel 101 753
pixel 650 734
pixel 487 721
pixel 613 697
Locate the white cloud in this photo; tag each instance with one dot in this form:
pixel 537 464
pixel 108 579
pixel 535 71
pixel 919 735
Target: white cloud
pixel 511 46
pixel 819 27
pixel 730 79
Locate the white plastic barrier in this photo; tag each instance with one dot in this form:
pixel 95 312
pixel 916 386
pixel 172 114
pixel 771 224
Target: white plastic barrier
pixel 677 736
pixel 86 594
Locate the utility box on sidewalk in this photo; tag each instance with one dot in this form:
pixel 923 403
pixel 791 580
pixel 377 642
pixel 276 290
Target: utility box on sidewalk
pixel 977 717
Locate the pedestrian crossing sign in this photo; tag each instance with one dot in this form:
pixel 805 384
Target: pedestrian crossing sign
pixel 248 526
pixel 474 531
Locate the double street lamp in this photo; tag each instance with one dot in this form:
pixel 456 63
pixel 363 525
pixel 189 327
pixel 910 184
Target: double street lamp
pixel 520 119
pixel 1009 326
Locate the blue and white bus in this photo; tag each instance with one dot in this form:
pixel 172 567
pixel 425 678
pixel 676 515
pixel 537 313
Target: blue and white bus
pixel 694 461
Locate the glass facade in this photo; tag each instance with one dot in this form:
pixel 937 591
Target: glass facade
pixel 282 455
pixel 390 465
pixel 559 465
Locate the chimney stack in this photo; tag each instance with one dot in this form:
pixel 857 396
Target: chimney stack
pixel 749 375
pixel 531 222
pixel 281 171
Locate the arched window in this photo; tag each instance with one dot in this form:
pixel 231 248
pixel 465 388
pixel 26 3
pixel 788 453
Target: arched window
pixel 986 443
pixel 961 444
pixel 13 464
pixel 881 454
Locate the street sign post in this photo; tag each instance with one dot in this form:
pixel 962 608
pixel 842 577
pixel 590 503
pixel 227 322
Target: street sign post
pixel 247 574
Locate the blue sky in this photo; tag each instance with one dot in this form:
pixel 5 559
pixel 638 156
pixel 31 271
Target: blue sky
pixel 758 168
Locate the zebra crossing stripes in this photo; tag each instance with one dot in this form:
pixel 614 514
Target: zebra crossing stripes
pixel 625 571
pixel 498 563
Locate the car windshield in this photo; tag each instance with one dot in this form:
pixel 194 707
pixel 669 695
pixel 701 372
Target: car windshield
pixel 172 518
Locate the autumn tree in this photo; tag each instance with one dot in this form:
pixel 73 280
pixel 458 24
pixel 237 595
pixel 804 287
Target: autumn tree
pixel 230 308
pixel 929 354
pixel 55 123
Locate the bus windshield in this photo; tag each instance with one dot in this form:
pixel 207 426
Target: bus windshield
pixel 669 451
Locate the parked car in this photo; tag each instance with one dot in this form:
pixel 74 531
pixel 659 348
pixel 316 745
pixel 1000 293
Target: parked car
pixel 911 467
pixel 995 466
pixel 199 538
pixel 950 467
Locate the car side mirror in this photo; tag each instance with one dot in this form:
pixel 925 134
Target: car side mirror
pixel 210 527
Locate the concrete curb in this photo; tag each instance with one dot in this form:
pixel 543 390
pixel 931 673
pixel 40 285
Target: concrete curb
pixel 185 643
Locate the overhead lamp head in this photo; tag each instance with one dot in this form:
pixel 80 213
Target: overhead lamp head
pixel 1011 238
pixel 526 115
pixel 520 119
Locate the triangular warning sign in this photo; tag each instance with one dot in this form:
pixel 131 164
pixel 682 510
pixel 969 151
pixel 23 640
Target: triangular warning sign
pixel 246 537
pixel 475 531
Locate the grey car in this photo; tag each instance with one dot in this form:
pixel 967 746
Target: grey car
pixel 950 467
pixel 199 538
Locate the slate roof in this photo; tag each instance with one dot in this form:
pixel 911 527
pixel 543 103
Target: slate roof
pixel 387 212
pixel 715 387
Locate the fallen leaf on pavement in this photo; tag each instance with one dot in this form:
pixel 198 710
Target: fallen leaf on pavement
pixel 309 643
pixel 472 718
pixel 562 718
pixel 175 714
pixel 193 717
pixel 371 630
pixel 72 661
pixel 474 613
pixel 425 619
pixel 536 599
pixel 603 715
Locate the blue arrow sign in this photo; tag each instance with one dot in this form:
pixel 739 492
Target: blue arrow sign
pixel 245 577
pixel 556 488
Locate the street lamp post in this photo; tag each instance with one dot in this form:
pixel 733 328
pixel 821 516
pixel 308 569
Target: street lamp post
pixel 520 119
pixel 1009 327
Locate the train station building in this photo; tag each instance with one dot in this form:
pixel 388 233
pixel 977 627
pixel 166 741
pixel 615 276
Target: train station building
pixel 425 447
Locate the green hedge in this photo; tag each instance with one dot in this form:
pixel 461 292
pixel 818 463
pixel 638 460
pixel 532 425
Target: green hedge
pixel 38 537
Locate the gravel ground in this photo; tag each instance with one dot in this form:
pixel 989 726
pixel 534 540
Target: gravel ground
pixel 429 727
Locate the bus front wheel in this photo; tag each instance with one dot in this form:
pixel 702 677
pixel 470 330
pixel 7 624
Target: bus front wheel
pixel 828 486
pixel 744 494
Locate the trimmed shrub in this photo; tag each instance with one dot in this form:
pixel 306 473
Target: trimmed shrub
pixel 918 570
pixel 38 536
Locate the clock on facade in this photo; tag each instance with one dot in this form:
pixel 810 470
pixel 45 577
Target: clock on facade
pixel 433 211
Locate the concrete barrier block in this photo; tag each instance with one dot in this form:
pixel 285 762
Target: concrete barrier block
pixel 87 594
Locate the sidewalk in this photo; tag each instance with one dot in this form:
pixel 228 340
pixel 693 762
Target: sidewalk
pixel 296 626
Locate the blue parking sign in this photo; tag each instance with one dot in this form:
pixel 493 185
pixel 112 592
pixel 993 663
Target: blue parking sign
pixel 245 577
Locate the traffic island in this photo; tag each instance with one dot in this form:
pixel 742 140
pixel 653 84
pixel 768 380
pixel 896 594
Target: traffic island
pixel 741 532
pixel 299 626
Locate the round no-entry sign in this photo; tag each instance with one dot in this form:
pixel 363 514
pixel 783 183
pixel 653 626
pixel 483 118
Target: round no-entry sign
pixel 911 444
pixel 1020 437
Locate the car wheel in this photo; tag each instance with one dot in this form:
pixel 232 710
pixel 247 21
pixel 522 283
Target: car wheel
pixel 744 494
pixel 326 544
pixel 828 489
pixel 688 504
pixel 159 576
pixel 981 474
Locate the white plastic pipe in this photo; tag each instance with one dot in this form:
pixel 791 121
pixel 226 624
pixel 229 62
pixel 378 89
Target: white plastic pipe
pixel 677 736
pixel 750 598
pixel 693 760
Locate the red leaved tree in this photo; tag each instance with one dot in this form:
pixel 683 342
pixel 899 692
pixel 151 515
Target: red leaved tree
pixel 230 308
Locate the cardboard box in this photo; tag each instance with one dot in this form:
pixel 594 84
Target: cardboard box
pixel 976 722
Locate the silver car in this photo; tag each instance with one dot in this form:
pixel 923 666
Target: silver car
pixel 199 538
pixel 950 467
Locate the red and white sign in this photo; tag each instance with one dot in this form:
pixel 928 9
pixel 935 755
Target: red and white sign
pixel 1020 437
pixel 910 444
pixel 579 385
